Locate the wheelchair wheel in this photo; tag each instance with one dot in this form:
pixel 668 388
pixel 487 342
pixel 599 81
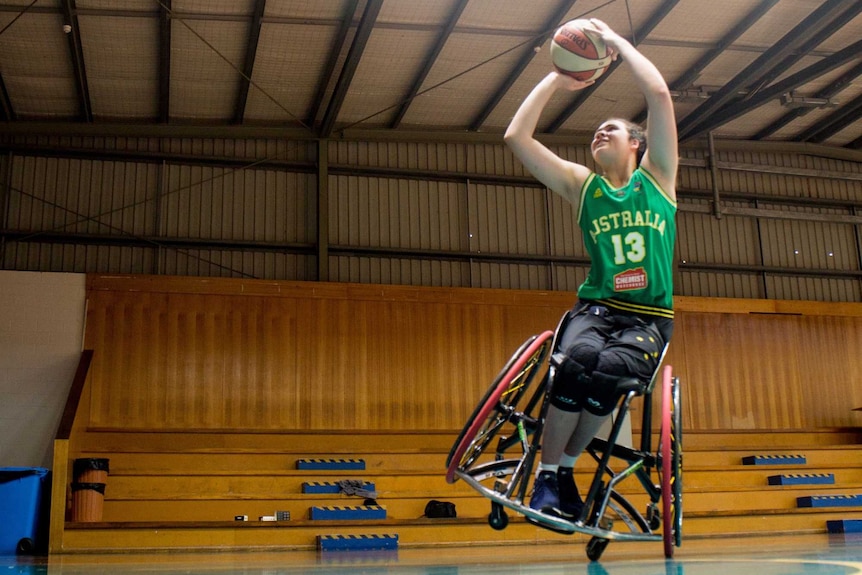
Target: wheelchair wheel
pixel 620 510
pixel 498 518
pixel 676 445
pixel 671 463
pixel 620 516
pixel 495 408
pixel 492 390
pixel 596 547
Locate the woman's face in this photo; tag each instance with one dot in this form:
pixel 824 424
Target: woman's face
pixel 611 140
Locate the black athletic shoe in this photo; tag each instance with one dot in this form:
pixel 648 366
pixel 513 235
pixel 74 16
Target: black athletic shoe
pixel 570 502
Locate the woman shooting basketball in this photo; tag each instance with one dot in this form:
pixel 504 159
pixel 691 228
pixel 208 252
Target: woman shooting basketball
pixel 626 211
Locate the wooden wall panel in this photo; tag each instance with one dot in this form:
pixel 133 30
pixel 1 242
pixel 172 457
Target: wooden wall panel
pixel 189 360
pixel 830 369
pixel 187 353
pixel 222 360
pixel 741 371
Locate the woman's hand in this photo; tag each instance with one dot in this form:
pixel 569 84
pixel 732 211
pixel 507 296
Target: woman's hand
pixel 612 40
pixel 662 153
pixel 565 82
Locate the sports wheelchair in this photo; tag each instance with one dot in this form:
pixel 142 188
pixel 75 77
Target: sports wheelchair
pixel 517 418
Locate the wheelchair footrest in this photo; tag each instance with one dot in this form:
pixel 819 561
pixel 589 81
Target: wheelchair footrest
pixel 551 522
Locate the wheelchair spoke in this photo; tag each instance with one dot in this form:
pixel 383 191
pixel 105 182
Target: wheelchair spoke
pixel 499 404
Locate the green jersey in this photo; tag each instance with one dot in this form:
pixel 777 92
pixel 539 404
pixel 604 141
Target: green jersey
pixel 629 234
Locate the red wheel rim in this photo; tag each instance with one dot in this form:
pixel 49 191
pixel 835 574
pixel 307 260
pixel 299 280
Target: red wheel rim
pixel 666 463
pixel 491 403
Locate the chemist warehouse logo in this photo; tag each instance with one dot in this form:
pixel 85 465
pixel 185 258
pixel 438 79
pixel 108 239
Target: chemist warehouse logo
pixel 630 280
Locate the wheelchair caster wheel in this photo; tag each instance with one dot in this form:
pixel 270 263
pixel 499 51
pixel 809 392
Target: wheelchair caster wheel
pixel 653 517
pixel 596 547
pixel 498 519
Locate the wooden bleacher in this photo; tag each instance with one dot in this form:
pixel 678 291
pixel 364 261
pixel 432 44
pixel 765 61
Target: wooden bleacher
pixel 203 394
pixel 181 491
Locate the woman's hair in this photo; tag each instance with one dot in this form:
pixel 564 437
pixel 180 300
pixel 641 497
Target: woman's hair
pixel 636 132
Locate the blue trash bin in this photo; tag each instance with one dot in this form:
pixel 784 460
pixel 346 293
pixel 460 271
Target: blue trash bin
pixel 22 493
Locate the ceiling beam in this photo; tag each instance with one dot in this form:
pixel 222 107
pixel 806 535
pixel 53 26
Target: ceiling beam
pixel 529 53
pixel 83 152
pixel 758 96
pixel 454 15
pixel 250 55
pixel 340 40
pixel 770 75
pixel 833 123
pixel 742 106
pixel 582 96
pixel 689 76
pixel 164 61
pixel 7 111
pixel 77 52
pixel 788 45
pixel 10 132
pixel 826 93
pixel 354 55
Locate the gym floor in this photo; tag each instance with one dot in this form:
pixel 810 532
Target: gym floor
pixel 819 554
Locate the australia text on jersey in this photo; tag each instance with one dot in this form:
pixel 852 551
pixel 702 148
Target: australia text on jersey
pixel 627 219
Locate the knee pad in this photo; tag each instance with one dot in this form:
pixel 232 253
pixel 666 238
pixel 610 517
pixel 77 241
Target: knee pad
pixel 585 355
pixel 613 363
pixel 599 393
pixel 568 379
pixel 575 390
pixel 638 361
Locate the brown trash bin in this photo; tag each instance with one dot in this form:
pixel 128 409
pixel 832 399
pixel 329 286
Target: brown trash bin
pixel 87 501
pixel 90 470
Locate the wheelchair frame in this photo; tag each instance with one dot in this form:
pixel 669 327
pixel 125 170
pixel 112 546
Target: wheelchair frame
pixel 504 479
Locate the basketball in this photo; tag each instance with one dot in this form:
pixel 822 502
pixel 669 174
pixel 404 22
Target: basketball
pixel 579 53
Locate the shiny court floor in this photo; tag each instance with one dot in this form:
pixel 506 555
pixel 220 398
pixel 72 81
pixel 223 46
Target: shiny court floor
pixel 783 555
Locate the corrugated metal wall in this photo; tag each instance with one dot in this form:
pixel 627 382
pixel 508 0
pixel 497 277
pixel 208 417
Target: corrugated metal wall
pixel 413 213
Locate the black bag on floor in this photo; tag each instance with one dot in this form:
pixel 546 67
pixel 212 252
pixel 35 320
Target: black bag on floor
pixel 440 509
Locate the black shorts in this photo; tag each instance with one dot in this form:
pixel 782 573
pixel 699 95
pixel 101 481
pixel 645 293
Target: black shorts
pixel 610 343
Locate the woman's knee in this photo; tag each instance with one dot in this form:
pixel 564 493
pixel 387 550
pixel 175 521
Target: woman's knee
pixel 585 353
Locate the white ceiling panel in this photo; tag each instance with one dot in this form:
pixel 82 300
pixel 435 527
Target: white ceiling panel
pixel 357 64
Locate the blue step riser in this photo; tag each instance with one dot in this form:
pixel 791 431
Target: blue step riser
pixel 774 460
pixel 845 526
pixel 830 501
pixel 357 542
pixel 331 464
pixel 326 487
pixel 813 479
pixel 347 513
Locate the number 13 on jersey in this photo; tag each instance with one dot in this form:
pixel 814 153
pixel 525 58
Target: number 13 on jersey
pixel 630 248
